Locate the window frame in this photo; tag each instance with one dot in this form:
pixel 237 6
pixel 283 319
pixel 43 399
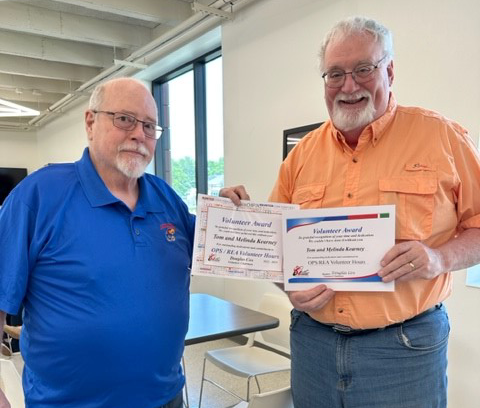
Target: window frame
pixel 163 167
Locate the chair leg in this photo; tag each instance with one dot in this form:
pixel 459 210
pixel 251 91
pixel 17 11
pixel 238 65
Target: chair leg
pixel 201 385
pixel 7 349
pixel 258 385
pixel 248 386
pixel 185 402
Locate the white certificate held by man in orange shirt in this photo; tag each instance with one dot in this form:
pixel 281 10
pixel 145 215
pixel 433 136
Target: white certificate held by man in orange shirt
pixel 340 247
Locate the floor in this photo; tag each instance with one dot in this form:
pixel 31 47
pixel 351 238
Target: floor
pixel 212 396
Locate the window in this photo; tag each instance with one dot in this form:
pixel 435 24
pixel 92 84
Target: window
pixel 189 154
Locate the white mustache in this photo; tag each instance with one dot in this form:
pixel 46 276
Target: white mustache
pixel 134 148
pixel 341 96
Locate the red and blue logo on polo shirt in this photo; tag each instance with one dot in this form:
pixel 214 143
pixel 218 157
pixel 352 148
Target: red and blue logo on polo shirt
pixel 170 230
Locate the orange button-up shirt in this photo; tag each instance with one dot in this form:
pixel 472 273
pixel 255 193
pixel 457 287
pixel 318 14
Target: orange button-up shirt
pixel 416 159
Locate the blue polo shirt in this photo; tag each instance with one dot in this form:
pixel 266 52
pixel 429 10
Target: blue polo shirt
pixel 105 289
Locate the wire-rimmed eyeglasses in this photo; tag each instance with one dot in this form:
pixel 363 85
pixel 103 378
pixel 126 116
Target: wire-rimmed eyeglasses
pixel 335 78
pixel 128 122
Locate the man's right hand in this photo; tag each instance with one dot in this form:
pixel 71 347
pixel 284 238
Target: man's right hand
pixel 235 194
pixel 3 401
pixel 311 299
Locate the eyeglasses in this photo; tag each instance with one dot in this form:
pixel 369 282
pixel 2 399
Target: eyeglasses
pixel 128 122
pixel 362 73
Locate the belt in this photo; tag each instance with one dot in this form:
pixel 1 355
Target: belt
pixel 349 331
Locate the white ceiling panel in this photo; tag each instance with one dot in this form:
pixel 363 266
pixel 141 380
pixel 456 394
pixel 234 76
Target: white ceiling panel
pixel 53 52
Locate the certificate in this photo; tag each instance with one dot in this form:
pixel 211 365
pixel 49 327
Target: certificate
pixel 340 247
pixel 239 242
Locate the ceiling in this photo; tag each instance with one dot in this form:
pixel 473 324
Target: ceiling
pixel 53 52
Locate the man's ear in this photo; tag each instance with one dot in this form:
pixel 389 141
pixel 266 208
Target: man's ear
pixel 390 73
pixel 89 121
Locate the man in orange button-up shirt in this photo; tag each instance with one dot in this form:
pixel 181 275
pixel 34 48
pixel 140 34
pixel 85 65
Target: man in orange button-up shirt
pixel 380 349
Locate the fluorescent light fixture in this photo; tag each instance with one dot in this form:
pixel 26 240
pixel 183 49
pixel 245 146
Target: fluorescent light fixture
pixel 10 109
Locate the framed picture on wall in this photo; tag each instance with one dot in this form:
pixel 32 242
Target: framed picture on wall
pixel 292 136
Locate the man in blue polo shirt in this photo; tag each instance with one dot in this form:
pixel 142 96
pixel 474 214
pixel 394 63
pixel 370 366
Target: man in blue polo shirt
pixel 99 253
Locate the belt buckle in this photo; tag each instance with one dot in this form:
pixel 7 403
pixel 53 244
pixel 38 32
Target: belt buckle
pixel 340 328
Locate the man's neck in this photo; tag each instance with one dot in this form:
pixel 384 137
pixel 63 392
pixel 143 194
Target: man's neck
pixel 352 136
pixel 126 191
pixel 124 188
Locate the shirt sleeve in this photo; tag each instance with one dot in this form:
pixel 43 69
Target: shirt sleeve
pixel 16 226
pixel 467 164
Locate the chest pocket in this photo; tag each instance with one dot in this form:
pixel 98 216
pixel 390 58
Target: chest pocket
pixel 310 196
pixel 414 201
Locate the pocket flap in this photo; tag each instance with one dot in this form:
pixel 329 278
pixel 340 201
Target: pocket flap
pixel 409 185
pixel 311 192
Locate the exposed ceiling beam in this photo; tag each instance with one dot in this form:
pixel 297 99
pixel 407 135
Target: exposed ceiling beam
pixel 33 96
pixel 21 124
pixel 145 13
pixel 40 69
pixel 25 83
pixel 19 17
pixel 53 52
pixel 50 49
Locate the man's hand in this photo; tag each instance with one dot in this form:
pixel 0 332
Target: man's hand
pixel 311 299
pixel 3 400
pixel 411 260
pixel 235 194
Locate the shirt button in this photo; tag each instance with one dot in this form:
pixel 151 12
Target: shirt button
pixel 349 195
pixel 137 232
pixel 340 310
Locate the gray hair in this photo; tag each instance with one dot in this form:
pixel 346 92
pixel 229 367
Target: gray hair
pixel 96 99
pixel 98 94
pixel 358 25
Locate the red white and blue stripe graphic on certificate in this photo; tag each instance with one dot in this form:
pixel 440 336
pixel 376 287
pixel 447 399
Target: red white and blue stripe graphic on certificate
pixel 303 222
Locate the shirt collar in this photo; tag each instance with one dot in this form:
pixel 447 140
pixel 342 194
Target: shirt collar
pixel 375 130
pixel 148 201
pixel 99 195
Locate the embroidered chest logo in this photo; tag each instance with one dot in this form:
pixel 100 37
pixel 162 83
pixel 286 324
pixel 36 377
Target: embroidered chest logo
pixel 170 230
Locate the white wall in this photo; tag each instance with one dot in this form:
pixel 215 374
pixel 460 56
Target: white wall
pixel 271 83
pixel 18 149
pixel 63 139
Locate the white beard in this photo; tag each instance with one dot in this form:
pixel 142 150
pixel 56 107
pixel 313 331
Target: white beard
pixel 345 119
pixel 133 167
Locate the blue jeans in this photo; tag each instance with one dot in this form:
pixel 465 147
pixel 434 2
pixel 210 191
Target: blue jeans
pixel 402 366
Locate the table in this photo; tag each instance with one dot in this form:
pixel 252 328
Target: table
pixel 212 318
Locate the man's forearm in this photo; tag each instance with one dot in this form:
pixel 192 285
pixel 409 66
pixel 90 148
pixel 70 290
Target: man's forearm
pixel 462 251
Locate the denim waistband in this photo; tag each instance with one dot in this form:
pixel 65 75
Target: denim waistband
pixel 349 331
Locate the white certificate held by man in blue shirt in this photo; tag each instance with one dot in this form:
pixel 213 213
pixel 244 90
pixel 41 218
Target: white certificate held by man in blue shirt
pixel 339 247
pixel 243 242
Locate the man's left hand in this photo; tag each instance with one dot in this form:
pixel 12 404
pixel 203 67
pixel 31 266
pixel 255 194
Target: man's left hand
pixel 411 260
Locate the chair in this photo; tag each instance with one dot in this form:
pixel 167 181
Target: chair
pixel 250 361
pixel 11 384
pixel 281 398
pixel 12 332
